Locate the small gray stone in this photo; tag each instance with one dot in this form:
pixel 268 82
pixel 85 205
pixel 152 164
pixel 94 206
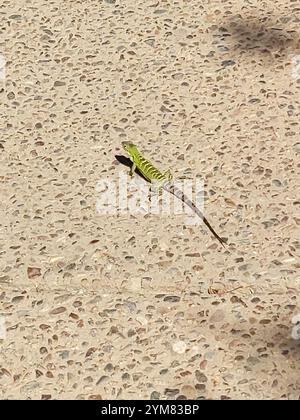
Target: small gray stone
pixel 227 63
pixel 171 392
pixel 155 395
pixel 172 299
pixel 200 376
pixel 252 360
pixel 217 316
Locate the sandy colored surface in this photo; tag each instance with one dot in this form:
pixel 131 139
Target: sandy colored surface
pixel 115 307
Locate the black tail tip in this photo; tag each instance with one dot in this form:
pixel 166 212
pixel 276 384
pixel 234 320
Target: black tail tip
pixel 223 242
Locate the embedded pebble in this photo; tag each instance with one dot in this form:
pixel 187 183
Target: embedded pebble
pixel 179 347
pixel 217 316
pixel 58 310
pixel 189 392
pixel 33 272
pixel 200 376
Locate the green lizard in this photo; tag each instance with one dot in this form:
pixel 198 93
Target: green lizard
pixel 163 179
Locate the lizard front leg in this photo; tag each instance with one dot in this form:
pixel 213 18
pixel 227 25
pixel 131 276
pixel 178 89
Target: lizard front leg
pixel 132 169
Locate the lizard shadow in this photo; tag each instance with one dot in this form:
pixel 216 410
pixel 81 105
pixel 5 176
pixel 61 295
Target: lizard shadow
pixel 127 162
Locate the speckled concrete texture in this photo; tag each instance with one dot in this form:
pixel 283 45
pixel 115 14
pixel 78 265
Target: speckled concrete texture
pixel 144 306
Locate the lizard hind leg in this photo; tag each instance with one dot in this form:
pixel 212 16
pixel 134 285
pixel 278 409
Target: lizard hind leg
pixel 155 189
pixel 168 175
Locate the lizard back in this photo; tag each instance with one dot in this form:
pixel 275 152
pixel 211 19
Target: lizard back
pixel 148 170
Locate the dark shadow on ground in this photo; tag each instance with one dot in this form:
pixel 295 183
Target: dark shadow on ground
pixel 127 162
pixel 262 36
pixel 124 160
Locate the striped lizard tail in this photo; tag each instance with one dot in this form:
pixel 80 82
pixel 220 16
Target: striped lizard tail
pixel 170 187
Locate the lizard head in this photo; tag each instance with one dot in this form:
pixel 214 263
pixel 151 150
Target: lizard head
pixel 130 148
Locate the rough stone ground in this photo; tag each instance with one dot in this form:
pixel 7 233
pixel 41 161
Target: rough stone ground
pixel 146 306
